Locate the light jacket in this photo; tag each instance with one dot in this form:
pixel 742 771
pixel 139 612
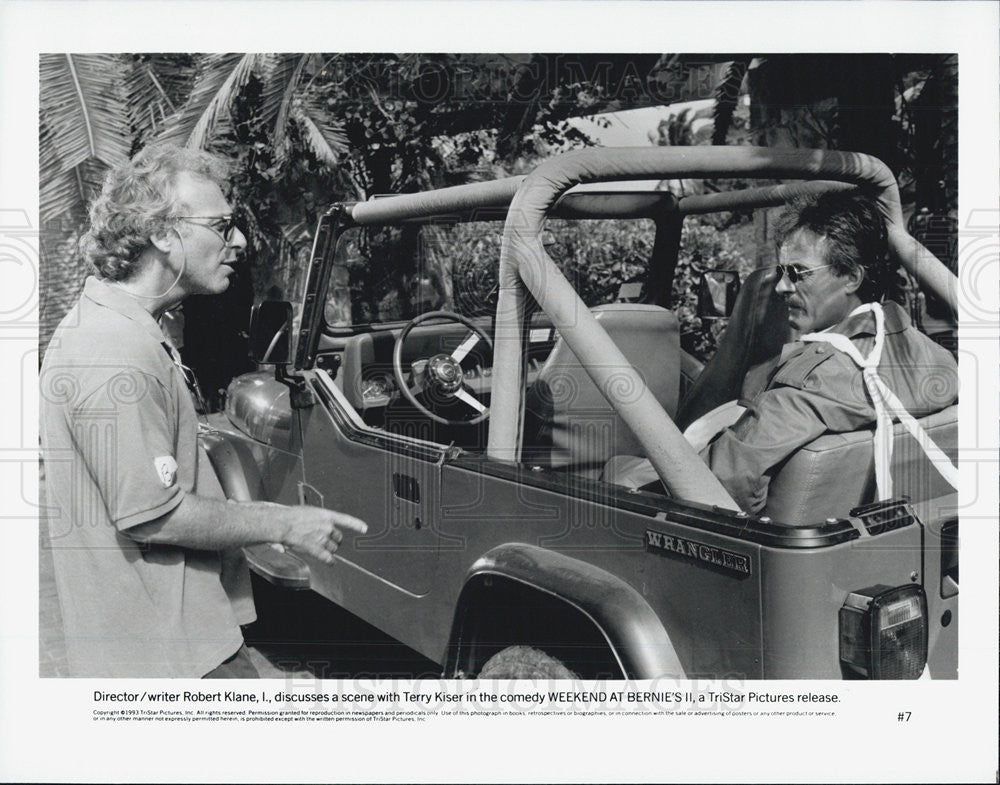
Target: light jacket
pixel 813 388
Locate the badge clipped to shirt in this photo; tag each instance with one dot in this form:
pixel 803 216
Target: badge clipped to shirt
pixel 166 469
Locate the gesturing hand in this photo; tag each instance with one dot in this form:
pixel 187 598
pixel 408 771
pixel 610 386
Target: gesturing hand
pixel 317 532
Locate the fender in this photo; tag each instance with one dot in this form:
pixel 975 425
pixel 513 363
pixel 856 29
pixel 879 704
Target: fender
pixel 240 477
pixel 631 628
pixel 234 465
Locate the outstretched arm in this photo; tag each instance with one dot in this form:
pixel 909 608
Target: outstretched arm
pixel 209 524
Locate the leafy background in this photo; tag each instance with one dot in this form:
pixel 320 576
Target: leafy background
pixel 306 130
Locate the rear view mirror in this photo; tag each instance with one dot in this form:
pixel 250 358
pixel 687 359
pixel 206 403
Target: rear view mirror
pixel 270 332
pixel 717 293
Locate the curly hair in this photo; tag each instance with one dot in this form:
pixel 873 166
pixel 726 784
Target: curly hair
pixel 855 233
pixel 137 202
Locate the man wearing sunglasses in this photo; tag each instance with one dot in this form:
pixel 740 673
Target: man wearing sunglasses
pixel 832 274
pixel 150 577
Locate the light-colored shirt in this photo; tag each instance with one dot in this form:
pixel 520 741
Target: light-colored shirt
pixel 119 440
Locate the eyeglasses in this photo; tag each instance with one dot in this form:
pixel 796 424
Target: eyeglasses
pixel 226 222
pixel 795 274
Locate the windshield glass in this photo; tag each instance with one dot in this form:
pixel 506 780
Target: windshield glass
pixel 392 274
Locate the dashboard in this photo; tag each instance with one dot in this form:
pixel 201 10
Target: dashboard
pixel 362 363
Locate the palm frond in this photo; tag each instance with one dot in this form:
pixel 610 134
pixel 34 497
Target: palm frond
pixel 58 194
pixel 279 91
pixel 175 72
pixel 69 192
pixel 49 163
pixel 325 139
pixel 83 128
pixel 81 98
pixel 220 79
pixel 727 93
pixel 155 86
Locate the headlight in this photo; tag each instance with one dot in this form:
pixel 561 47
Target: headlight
pixel 883 632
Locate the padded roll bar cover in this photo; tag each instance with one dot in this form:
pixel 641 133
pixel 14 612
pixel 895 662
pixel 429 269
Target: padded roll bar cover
pixel 756 198
pixel 525 266
pixel 568 423
pixel 496 193
pixel 801 491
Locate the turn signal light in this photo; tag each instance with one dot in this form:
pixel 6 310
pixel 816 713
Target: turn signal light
pixel 883 632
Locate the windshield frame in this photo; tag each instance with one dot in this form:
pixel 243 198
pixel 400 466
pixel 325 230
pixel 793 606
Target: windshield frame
pixel 475 201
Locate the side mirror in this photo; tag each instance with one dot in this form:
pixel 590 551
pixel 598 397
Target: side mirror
pixel 717 293
pixel 270 332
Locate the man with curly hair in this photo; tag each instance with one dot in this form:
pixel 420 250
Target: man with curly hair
pixel 150 577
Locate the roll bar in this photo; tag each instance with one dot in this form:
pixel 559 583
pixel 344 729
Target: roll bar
pixel 526 267
pixel 458 198
pixel 756 198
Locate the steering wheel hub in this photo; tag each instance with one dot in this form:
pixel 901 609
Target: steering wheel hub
pixel 445 372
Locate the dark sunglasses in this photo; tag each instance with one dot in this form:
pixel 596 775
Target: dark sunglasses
pixel 222 225
pixel 795 274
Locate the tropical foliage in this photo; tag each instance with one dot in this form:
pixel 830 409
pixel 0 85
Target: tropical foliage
pixel 597 256
pixel 303 130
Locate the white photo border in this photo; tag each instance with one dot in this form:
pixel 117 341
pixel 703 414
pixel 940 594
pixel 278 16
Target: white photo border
pixel 46 731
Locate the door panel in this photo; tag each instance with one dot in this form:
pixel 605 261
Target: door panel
pixel 396 495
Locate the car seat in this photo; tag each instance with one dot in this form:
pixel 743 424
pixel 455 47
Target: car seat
pixel 568 423
pixel 756 331
pixel 836 472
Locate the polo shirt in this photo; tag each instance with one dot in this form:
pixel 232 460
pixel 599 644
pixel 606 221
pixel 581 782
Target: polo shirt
pixel 119 444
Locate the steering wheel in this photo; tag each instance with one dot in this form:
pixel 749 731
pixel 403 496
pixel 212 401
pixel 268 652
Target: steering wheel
pixel 440 375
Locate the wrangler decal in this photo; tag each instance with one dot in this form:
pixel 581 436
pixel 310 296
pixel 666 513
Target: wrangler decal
pixel 660 542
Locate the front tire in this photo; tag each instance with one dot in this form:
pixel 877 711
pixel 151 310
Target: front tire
pixel 524 662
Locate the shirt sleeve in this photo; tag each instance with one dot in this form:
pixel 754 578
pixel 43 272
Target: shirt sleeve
pixel 807 401
pixel 126 434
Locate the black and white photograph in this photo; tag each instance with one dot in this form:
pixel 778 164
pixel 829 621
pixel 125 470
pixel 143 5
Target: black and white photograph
pixel 477 335
pixel 509 387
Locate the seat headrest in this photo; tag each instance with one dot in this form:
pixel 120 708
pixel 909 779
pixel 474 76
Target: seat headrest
pixel 568 422
pixel 756 331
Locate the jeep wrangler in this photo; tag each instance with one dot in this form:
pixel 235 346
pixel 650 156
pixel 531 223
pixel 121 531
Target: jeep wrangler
pixel 475 442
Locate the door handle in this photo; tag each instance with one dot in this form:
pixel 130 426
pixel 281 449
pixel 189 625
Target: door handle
pixel 406 487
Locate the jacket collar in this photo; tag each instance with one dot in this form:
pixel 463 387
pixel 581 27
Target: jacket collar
pixel 863 324
pixel 858 326
pixel 106 295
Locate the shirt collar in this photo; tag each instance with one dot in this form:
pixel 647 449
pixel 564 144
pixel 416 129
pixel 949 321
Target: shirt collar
pixel 105 294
